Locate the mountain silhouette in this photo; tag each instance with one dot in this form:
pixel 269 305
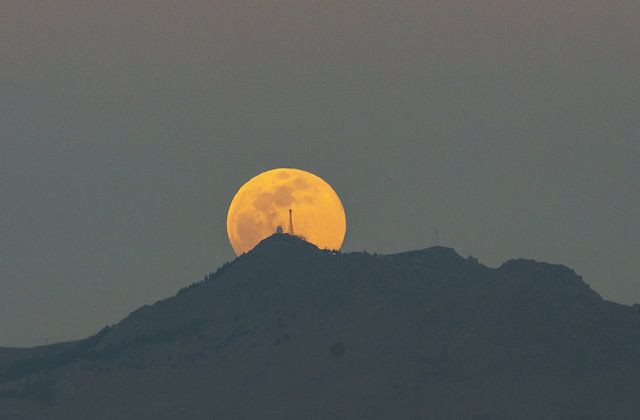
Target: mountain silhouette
pixel 291 331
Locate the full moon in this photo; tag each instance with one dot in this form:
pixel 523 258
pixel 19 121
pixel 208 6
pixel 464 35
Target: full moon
pixel 261 206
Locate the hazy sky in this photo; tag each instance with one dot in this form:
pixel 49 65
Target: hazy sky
pixel 127 126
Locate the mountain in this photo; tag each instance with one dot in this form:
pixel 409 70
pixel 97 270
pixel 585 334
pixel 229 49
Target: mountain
pixel 291 331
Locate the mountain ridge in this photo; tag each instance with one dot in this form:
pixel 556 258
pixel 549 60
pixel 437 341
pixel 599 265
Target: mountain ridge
pixel 289 330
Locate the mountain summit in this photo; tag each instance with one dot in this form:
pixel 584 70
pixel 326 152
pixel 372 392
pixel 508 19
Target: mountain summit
pixel 291 331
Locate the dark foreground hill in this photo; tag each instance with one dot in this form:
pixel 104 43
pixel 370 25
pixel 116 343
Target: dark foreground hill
pixel 289 331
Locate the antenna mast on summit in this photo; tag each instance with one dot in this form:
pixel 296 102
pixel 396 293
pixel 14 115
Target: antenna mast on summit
pixel 290 222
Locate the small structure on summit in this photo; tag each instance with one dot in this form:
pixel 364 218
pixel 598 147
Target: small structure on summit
pixel 291 223
pixel 280 229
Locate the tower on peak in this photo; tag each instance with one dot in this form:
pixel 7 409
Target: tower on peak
pixel 291 222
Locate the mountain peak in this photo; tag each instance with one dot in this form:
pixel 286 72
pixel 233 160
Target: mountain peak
pixel 284 241
pixel 550 278
pixel 279 248
pixel 435 253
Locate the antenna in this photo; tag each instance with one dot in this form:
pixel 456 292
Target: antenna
pixel 290 222
pixel 437 236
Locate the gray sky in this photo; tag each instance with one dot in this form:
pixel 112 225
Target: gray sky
pixel 127 126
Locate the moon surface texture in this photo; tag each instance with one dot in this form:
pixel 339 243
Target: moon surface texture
pixel 262 205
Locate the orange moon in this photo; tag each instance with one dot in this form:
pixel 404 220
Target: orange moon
pixel 262 204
